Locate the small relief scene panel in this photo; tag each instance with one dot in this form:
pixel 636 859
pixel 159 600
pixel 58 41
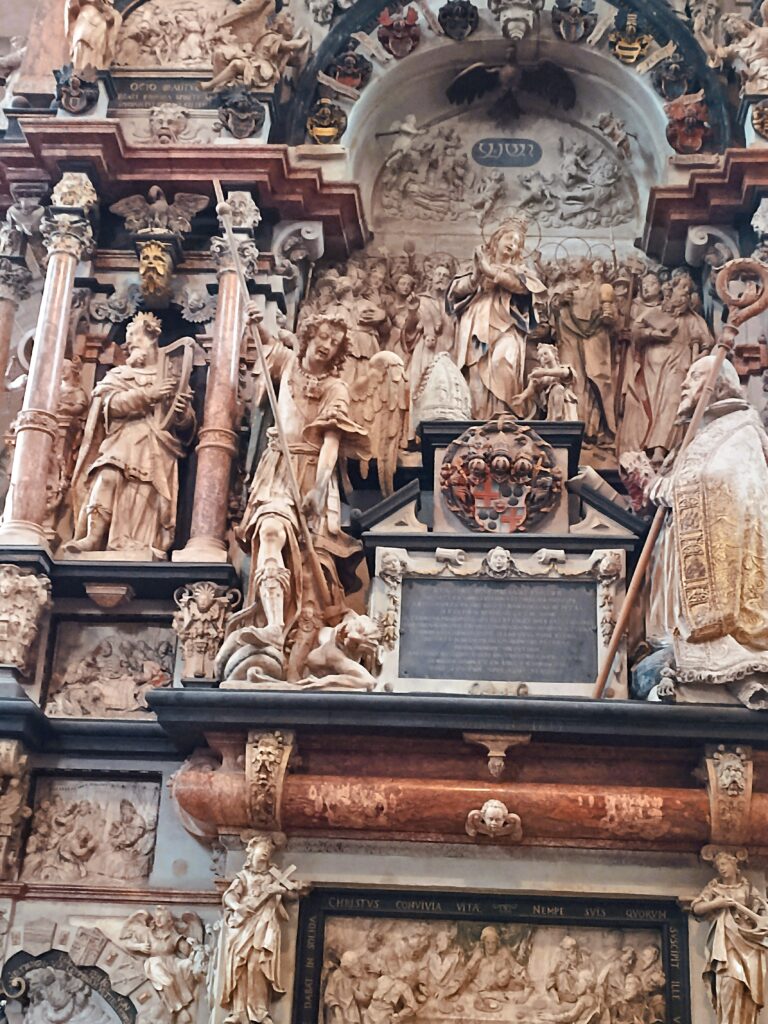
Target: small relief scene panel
pixel 376 956
pixel 95 833
pixel 107 670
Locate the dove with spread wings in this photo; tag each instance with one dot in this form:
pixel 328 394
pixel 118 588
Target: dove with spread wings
pixel 155 213
pixel 544 79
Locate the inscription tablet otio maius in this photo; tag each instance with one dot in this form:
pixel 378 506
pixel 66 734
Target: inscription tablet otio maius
pixel 520 630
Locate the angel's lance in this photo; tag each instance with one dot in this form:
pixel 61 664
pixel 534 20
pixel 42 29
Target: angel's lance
pixel 746 306
pixel 225 215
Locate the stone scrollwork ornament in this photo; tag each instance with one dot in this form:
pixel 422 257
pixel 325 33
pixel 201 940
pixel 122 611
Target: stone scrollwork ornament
pixel 266 762
pixel 24 599
pixel 199 624
pixel 500 477
pixel 253 909
pixel 495 821
pixel 737 944
pixel 326 123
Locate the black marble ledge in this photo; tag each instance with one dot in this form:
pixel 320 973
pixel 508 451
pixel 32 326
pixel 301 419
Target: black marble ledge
pixel 187 714
pixel 148 580
pixel 22 719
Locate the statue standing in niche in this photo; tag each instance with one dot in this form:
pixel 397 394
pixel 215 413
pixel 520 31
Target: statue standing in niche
pixel 125 484
pixel 583 312
pixel 737 945
pixel 709 593
pixel 253 911
pixel 500 304
pixel 91 27
pixel 666 334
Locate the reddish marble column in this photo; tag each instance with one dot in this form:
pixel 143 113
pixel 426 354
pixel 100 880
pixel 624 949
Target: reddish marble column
pixel 217 443
pixel 67 235
pixel 14 286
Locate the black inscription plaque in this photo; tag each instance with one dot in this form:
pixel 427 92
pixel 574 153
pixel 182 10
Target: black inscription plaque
pixel 140 92
pixel 507 631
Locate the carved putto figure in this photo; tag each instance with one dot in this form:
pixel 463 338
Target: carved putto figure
pixel 499 305
pixel 709 597
pixel 199 623
pixel 737 945
pixel 251 941
pixel 495 821
pixel 175 959
pixel 549 390
pixel 259 50
pixel 125 485
pixel 24 600
pixel 91 27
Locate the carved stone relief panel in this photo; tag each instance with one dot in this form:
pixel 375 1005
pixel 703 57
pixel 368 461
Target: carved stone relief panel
pixel 92 832
pixel 107 670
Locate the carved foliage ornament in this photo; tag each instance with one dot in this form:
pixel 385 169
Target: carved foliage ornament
pixel 76 190
pixel 14 281
pixel 266 762
pixel 199 624
pixel 24 599
pixel 500 477
pixel 66 233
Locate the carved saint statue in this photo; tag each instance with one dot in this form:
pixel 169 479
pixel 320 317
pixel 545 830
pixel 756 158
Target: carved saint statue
pixel 709 594
pixel 125 485
pixel 92 27
pixel 313 405
pixel 666 334
pixel 499 305
pixel 737 945
pixel 253 911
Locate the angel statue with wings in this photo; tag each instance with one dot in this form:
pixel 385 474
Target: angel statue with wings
pixel 126 480
pixel 175 957
pixel 253 48
pixel 91 27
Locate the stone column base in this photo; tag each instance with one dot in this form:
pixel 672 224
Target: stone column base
pixel 17 533
pixel 201 549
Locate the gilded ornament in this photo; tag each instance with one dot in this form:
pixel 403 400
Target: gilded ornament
pixel 326 123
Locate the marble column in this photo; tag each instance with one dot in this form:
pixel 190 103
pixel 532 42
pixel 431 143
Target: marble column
pixel 14 288
pixel 67 235
pixel 217 440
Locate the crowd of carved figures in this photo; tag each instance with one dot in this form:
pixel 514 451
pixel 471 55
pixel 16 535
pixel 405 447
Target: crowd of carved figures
pixel 508 972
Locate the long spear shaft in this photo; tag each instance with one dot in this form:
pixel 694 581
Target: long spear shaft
pixel 225 217
pixel 748 306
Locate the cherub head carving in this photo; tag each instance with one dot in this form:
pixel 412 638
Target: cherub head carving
pixel 495 821
pixel 167 123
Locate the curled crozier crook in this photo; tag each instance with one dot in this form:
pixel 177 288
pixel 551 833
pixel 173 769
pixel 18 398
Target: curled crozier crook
pixel 753 300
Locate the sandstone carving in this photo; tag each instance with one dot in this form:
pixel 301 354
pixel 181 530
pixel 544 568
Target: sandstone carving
pixel 24 599
pixel 91 27
pixel 494 821
pixel 199 624
pixel 14 790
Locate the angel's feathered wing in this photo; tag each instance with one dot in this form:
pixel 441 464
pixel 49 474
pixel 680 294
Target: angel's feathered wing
pixel 183 208
pixel 379 401
pixel 135 210
pixel 473 82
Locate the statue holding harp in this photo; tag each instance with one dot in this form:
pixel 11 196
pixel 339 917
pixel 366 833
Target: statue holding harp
pixel 126 480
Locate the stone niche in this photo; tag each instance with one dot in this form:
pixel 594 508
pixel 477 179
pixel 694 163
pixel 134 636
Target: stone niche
pixel 497 623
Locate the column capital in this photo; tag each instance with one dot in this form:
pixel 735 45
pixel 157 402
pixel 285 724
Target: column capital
pixel 14 281
pixel 66 232
pixel 247 251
